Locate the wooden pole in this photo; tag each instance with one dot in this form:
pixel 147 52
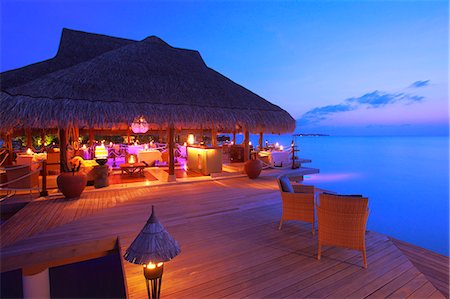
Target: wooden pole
pixel 171 153
pixel 63 150
pixel 246 146
pixel 213 136
pixel 201 134
pixel 44 191
pixel 261 141
pixel 42 141
pixel 29 138
pixel 128 136
pixel 8 141
pixel 160 136
pixel 91 137
pixel 234 137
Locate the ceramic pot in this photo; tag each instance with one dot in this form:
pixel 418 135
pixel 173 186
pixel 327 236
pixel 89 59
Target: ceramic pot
pixel 71 184
pixel 253 168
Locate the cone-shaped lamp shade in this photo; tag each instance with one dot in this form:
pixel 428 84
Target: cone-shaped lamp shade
pixel 153 244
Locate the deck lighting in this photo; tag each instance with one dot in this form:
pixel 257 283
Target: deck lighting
pixel 139 125
pixel 250 143
pixel 191 139
pixel 131 159
pixel 277 144
pixel 101 154
pixel 281 147
pixel 29 151
pixel 152 247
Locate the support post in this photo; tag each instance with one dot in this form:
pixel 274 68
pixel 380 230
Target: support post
pixel 8 141
pixel 44 191
pixel 36 285
pixel 261 141
pixel 160 136
pixel 29 138
pixel 171 153
pixel 42 141
pixel 128 136
pixel 63 150
pixel 234 137
pixel 213 136
pixel 246 146
pixel 201 134
pixel 91 137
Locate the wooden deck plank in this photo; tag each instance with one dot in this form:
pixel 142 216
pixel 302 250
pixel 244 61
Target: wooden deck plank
pixel 230 243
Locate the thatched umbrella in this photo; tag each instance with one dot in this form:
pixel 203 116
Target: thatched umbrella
pixel 167 86
pixel 152 246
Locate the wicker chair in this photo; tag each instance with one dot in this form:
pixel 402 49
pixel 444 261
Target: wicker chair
pixel 297 202
pixel 342 222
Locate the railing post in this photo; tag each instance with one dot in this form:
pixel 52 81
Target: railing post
pixel 44 191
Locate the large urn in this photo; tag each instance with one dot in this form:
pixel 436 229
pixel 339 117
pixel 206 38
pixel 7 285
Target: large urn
pixel 253 168
pixel 71 184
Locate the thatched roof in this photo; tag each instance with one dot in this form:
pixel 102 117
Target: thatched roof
pixel 74 47
pixel 153 244
pixel 149 78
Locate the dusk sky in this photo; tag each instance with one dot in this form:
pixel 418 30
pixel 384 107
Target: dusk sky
pixel 339 67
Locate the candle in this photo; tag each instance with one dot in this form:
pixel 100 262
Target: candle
pixel 131 159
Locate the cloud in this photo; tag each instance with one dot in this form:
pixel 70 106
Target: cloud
pixel 320 113
pixel 374 99
pixel 378 99
pixel 419 84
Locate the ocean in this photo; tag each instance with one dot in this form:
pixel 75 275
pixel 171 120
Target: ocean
pixel 405 178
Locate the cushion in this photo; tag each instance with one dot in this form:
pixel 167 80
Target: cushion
pixel 286 184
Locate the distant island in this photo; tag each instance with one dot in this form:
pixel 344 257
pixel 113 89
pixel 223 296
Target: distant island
pixel 303 134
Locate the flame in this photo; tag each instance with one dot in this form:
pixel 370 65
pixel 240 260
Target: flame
pixel 153 266
pixel 191 139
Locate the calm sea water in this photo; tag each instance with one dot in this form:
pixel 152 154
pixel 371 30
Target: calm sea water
pixel 405 178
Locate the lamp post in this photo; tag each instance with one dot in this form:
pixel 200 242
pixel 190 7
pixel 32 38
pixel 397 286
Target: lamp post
pixel 152 247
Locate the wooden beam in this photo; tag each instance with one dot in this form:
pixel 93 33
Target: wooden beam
pixel 234 137
pixel 261 141
pixel 52 256
pixel 160 135
pixel 29 138
pixel 213 136
pixel 91 137
pixel 63 150
pixel 8 142
pixel 246 146
pixel 171 153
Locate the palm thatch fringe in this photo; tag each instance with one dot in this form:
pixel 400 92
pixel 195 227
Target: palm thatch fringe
pixel 24 111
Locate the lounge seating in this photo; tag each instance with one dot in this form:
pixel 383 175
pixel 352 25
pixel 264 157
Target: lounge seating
pixel 342 222
pixel 297 201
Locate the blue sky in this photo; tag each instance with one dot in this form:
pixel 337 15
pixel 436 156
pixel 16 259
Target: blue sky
pixel 340 67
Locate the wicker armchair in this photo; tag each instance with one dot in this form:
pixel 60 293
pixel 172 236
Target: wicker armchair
pixel 342 222
pixel 297 202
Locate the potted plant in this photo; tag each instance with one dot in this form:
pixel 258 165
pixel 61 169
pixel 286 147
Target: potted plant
pixel 72 182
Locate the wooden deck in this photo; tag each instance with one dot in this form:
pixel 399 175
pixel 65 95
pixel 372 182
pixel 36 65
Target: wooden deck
pixel 230 243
